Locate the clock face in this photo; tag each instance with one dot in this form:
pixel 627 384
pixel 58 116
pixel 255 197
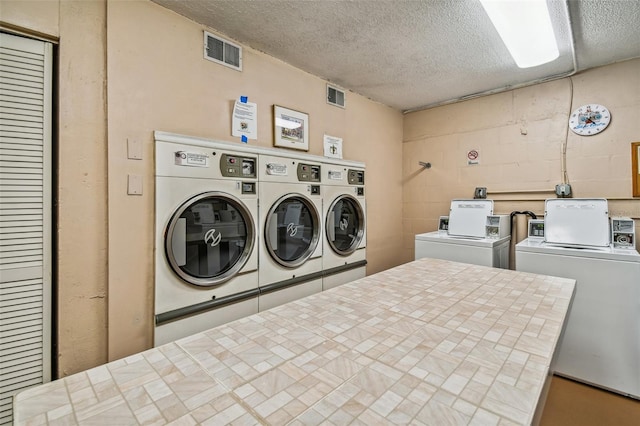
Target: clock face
pixel 589 119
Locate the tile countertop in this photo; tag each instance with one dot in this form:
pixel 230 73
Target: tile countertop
pixel 427 342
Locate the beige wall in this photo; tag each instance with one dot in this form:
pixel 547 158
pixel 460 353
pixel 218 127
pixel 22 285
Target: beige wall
pixel 520 136
pixel 158 80
pixel 153 77
pixel 37 16
pixel 81 148
pixel 82 189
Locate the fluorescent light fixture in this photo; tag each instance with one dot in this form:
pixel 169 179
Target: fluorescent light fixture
pixel 525 28
pixel 287 124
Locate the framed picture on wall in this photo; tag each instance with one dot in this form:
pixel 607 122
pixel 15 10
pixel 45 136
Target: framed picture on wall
pixel 291 128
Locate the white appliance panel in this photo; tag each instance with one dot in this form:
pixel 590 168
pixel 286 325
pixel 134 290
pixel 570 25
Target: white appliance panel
pixel 577 222
pixel 289 294
pixel 183 172
pixel 291 220
pixel 601 343
pixel 468 218
pixel 336 280
pixel 343 258
pixel 171 331
pixel 485 252
pixel 171 291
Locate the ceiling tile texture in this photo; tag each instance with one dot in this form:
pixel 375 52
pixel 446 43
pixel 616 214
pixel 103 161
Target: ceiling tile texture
pixel 411 54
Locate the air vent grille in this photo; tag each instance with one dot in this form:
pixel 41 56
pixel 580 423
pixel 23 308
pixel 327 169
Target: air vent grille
pixel 335 96
pixel 222 51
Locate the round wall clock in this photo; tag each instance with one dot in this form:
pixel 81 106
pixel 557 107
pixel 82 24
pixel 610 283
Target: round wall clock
pixel 589 119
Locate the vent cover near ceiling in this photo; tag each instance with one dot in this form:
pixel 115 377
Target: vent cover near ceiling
pixel 222 51
pixel 335 96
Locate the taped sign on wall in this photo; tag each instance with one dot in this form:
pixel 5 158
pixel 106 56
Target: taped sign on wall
pixel 473 157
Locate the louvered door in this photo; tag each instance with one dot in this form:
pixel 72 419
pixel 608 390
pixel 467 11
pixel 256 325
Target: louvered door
pixel 25 216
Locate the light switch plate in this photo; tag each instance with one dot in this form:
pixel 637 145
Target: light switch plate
pixel 134 149
pixel 134 185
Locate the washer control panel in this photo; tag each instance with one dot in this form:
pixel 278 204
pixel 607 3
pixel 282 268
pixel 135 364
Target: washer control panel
pixel 623 231
pixel 536 229
pixel 237 166
pixel 498 226
pixel 308 172
pixel 355 177
pixel 443 225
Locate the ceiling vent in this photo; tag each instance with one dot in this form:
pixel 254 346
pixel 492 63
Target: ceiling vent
pixel 222 51
pixel 335 96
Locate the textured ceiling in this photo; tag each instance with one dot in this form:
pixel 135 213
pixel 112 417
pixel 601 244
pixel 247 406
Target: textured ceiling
pixel 412 54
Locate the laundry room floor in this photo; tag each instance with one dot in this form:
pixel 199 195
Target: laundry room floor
pixel 570 403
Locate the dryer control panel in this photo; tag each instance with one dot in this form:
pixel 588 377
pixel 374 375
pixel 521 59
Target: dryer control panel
pixel 237 166
pixel 308 172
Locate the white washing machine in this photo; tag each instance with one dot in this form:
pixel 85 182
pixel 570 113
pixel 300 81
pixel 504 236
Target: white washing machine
pixel 601 342
pixel 477 251
pixel 207 235
pixel 290 209
pixel 344 256
pixel 464 239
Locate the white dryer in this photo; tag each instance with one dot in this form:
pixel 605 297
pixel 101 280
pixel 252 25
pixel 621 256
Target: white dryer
pixel 290 209
pixel 344 256
pixel 206 248
pixel 601 341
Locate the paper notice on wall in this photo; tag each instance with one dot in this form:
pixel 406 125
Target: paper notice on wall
pixel 245 120
pixel 332 146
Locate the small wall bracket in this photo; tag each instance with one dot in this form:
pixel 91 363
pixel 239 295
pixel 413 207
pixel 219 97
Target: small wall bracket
pixel 425 165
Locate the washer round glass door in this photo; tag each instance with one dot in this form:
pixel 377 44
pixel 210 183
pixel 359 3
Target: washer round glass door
pixel 345 225
pixel 209 238
pixel 292 230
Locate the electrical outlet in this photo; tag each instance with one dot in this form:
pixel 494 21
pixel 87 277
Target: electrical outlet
pixel 563 190
pixel 480 192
